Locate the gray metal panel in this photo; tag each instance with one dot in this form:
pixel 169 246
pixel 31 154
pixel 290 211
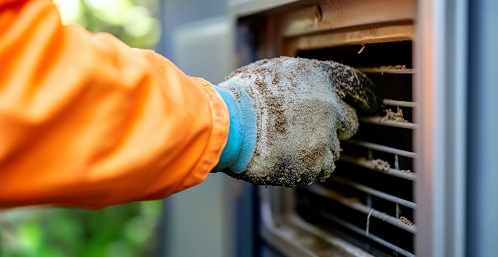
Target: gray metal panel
pixel 205 48
pixel 198 221
pixel 440 79
pixel 248 7
pixel 175 13
pixel 483 129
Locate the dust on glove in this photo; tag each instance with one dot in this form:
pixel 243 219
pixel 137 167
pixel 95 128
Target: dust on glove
pixel 287 116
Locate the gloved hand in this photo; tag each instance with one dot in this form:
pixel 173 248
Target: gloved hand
pixel 287 116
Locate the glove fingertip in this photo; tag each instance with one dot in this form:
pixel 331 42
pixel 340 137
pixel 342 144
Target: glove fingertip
pixel 354 87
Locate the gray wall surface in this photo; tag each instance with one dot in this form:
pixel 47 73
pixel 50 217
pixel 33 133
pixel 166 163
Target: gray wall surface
pixel 175 13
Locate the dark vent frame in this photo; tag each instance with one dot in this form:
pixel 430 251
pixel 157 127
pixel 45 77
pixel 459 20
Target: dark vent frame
pixel 300 222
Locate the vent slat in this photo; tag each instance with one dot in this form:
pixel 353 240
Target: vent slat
pixel 392 102
pixel 369 235
pixel 386 70
pixel 363 162
pixel 373 192
pixel 356 205
pixel 381 148
pixel 377 120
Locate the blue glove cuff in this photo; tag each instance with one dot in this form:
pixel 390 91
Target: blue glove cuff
pixel 242 132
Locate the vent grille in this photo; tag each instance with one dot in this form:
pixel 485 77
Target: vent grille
pixel 369 198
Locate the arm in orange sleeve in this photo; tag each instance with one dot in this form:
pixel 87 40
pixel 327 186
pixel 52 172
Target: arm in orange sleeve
pixel 87 121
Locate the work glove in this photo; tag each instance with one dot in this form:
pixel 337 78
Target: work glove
pixel 287 116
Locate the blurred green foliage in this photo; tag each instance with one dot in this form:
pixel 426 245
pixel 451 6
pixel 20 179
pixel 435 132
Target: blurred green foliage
pixel 132 21
pixel 120 231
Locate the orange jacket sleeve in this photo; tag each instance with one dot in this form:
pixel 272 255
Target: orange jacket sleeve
pixel 87 121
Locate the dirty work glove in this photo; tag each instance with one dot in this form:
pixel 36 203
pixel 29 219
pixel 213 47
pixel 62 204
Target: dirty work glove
pixel 287 116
